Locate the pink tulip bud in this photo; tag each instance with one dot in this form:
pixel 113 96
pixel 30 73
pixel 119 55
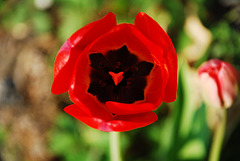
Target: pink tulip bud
pixel 219 83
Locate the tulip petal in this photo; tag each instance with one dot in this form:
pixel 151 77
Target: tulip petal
pixel 129 122
pixel 145 50
pixel 156 34
pixel 225 77
pixel 228 83
pixel 118 123
pixel 72 48
pixel 210 88
pixel 90 105
pixel 155 90
pixel 137 43
pixel 127 109
pixel 125 34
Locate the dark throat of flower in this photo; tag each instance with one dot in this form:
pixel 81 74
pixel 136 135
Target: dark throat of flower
pixel 118 76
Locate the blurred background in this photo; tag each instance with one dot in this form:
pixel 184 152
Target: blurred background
pixel 33 126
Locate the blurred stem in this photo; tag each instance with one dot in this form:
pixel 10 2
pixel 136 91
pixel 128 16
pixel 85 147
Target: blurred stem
pixel 218 137
pixel 114 146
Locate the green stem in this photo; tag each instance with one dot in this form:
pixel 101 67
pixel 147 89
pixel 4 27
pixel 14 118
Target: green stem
pixel 218 136
pixel 114 146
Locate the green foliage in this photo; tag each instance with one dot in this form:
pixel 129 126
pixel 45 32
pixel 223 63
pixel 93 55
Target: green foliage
pixel 226 41
pixel 41 22
pixel 71 141
pixel 181 133
pixel 2 135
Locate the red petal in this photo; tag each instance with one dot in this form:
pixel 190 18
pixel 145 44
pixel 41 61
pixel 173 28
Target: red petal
pixel 123 34
pixel 155 90
pixel 118 123
pixel 126 109
pixel 156 34
pixel 61 76
pixel 129 122
pixel 72 48
pixel 90 32
pixel 90 104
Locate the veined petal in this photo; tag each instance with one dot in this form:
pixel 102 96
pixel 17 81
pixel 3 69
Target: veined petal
pixel 210 88
pixel 228 83
pixel 72 48
pixel 156 34
pixel 225 77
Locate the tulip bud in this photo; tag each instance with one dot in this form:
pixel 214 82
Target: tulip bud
pixel 219 83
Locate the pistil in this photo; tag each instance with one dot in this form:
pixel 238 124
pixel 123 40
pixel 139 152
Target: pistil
pixel 117 77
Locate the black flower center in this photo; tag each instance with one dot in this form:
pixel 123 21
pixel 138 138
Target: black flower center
pixel 119 76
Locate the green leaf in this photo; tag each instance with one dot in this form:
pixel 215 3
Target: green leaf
pixel 61 142
pixel 193 149
pixel 41 22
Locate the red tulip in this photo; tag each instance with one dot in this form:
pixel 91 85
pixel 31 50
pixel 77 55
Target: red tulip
pixel 219 83
pixel 116 75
